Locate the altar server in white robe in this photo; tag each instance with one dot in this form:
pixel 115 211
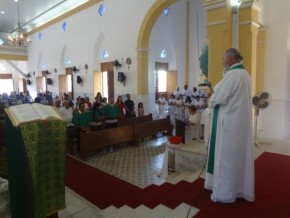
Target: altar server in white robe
pixel 230 165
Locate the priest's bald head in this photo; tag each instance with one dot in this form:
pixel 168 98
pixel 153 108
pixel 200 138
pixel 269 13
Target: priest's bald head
pixel 231 57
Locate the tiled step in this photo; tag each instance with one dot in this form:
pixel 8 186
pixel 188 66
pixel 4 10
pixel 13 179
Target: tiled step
pixel 183 210
pixel 160 211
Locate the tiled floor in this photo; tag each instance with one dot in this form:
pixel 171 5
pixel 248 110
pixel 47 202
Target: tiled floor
pixel 146 158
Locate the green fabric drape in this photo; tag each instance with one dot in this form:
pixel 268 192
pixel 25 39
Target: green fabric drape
pixel 40 150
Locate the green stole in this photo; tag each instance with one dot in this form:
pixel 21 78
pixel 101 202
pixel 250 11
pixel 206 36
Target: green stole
pixel 210 164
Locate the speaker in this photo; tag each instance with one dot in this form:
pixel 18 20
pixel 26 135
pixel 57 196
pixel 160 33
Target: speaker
pixel 79 80
pixel 28 82
pixel 49 81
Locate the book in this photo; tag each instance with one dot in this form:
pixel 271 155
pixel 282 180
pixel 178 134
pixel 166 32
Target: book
pixel 26 113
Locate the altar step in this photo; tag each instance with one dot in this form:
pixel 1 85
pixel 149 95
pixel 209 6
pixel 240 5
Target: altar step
pixel 160 211
pixel 187 161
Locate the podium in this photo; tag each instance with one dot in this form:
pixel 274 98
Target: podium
pixel 36 166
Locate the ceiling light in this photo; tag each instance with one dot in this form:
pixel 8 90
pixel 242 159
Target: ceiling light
pixel 2 12
pixel 18 38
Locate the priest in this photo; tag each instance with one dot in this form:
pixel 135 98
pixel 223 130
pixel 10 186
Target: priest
pixel 230 164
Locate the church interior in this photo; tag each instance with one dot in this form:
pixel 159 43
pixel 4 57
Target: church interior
pixel 55 51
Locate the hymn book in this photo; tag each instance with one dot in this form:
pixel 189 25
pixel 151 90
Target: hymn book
pixel 26 113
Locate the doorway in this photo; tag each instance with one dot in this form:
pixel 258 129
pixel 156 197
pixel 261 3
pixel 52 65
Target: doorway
pixel 66 83
pixel 104 80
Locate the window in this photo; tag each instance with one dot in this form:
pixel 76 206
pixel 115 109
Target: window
pixel 105 54
pixel 64 26
pixel 6 85
pixel 67 61
pixel 105 84
pixel 162 80
pixel 163 54
pixel 166 11
pixel 101 10
pixel 69 83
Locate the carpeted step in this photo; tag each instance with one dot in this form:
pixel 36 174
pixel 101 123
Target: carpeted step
pixel 132 198
pixel 178 195
pixel 148 194
pixel 158 198
pixel 94 185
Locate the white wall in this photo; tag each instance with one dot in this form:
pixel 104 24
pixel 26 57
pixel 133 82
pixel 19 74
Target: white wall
pixel 84 40
pixel 169 32
pixel 275 119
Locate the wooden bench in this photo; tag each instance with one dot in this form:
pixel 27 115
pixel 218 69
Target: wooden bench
pixel 135 120
pixel 150 128
pixel 129 133
pixel 91 141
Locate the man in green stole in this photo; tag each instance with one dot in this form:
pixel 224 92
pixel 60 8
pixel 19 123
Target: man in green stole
pixel 230 165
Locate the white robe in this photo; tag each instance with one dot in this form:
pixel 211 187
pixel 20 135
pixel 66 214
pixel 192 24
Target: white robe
pixel 233 175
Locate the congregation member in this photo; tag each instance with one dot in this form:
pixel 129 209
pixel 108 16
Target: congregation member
pixel 88 103
pixel 121 107
pixel 104 102
pixel 186 92
pixel 111 113
pixel 179 108
pixel 96 112
pixel 161 106
pixel 66 112
pixel 82 117
pixel 57 104
pixel 176 92
pixel 230 166
pixel 140 109
pixel 99 98
pixel 172 106
pixel 187 103
pixel 194 122
pixel 129 107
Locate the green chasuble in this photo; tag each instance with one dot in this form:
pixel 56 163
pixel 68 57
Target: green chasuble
pixel 36 164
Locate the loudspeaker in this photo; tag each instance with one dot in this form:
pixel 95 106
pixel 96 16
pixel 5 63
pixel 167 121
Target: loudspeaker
pixel 49 81
pixel 79 80
pixel 28 82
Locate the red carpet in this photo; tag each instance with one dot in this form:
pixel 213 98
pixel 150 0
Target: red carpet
pixel 272 186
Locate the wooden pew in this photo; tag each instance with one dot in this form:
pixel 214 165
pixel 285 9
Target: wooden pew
pixel 150 128
pixel 91 141
pixel 135 120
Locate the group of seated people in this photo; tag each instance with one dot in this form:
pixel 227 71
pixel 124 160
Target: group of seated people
pixel 14 98
pixel 85 113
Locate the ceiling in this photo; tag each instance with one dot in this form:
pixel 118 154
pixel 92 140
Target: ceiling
pixel 32 13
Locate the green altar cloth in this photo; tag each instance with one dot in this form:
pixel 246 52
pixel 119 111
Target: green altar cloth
pixel 36 166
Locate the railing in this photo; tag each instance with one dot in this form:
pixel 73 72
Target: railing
pixel 12 50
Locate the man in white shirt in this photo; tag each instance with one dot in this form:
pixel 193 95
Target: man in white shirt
pixel 66 112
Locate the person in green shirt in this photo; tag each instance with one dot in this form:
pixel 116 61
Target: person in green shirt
pixel 111 113
pixel 82 117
